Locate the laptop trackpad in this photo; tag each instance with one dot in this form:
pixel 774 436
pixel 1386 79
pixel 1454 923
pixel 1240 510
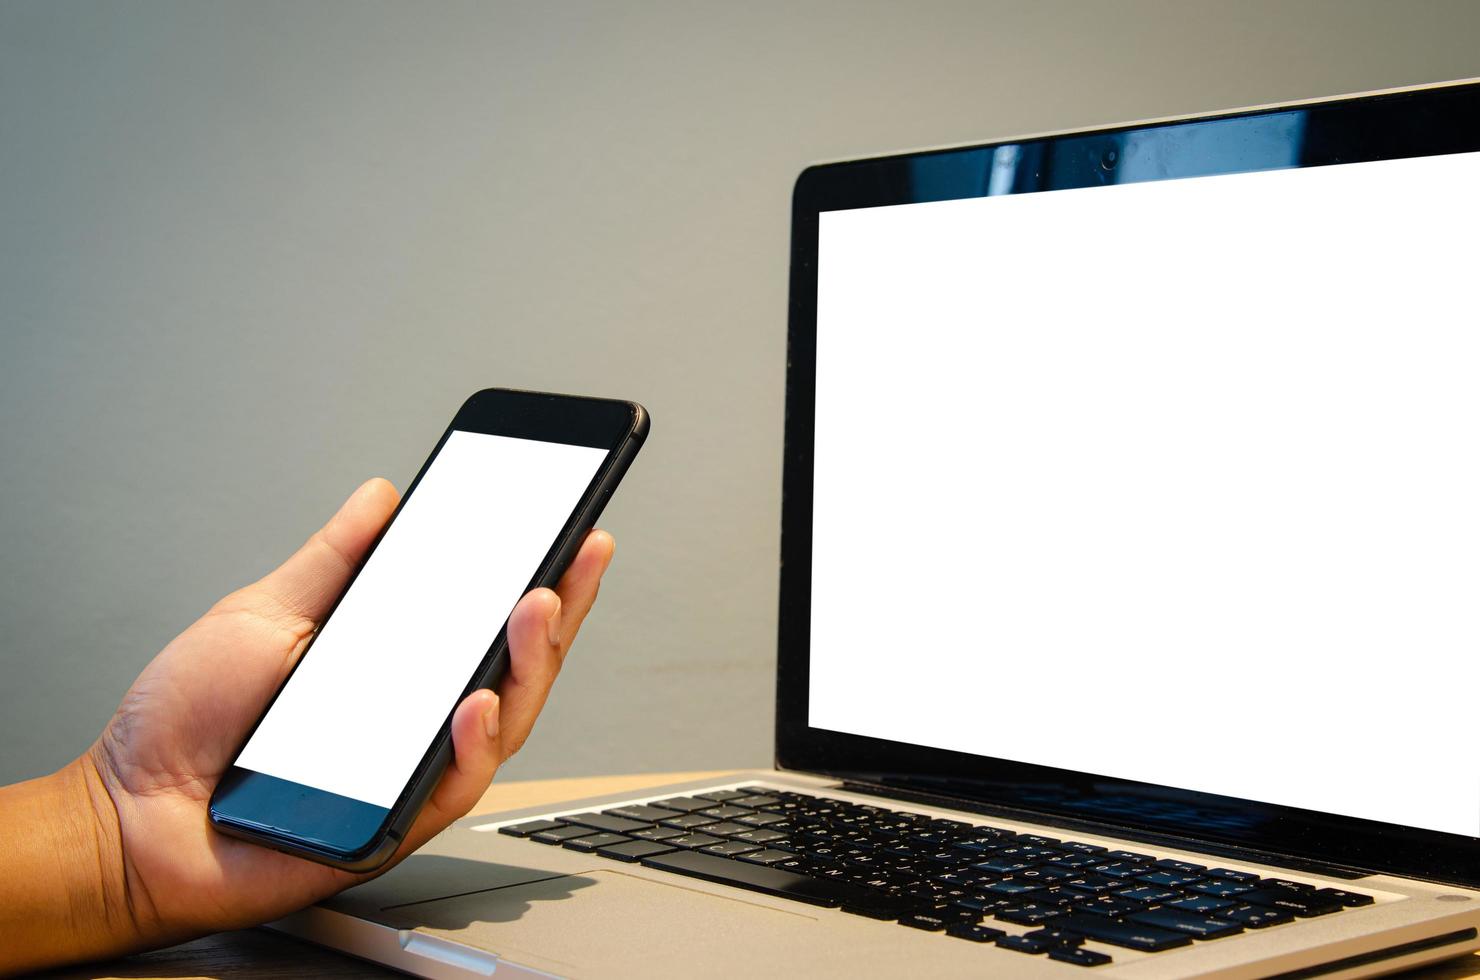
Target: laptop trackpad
pixel 563 925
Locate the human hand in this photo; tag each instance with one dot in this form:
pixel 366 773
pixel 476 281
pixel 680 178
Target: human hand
pixel 160 872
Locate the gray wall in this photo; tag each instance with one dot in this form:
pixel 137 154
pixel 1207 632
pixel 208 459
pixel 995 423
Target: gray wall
pixel 253 254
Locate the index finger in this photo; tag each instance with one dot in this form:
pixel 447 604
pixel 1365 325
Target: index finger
pixel 534 659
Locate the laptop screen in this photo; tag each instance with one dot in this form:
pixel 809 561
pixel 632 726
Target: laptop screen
pixel 1169 480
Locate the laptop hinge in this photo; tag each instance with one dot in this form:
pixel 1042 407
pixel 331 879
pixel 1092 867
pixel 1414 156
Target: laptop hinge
pixel 1137 834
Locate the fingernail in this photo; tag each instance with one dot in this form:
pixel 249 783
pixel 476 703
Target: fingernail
pixel 490 721
pixel 552 625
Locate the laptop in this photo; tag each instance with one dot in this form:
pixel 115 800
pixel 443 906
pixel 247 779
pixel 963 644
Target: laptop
pixel 1128 588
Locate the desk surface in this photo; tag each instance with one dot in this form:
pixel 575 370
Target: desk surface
pixel 254 953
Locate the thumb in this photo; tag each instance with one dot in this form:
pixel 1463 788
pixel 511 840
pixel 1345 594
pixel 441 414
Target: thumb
pixel 308 583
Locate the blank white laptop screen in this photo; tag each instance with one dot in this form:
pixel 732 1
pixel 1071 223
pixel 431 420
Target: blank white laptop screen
pixel 1174 481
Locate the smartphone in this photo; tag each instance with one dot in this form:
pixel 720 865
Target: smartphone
pixel 358 735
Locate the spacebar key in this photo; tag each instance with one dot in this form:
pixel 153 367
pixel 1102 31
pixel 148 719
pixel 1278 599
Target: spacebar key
pixel 1132 935
pixel 757 878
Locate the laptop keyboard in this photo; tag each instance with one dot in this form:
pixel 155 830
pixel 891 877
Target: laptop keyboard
pixel 961 879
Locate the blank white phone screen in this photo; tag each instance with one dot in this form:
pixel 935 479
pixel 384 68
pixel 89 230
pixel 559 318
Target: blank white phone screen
pixel 1172 481
pixel 387 667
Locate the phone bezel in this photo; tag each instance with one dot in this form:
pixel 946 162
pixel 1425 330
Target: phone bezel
pixel 337 830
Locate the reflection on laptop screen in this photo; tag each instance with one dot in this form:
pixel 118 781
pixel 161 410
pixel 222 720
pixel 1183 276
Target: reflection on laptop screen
pixel 1172 481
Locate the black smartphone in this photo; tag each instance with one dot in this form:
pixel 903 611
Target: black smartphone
pixel 354 741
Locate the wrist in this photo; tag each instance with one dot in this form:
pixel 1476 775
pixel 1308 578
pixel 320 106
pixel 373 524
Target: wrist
pixel 62 856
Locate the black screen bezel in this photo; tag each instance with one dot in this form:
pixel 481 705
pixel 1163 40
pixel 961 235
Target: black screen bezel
pixel 323 824
pixel 1380 127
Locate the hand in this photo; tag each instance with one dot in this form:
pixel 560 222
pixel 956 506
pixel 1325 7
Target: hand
pixel 164 873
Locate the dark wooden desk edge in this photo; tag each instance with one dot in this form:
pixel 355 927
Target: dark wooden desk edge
pixel 245 953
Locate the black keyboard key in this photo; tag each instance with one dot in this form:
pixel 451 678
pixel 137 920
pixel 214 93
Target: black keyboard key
pixel 728 828
pixel 1011 888
pixel 1110 905
pixel 1192 869
pixel 684 804
pixel 722 795
pixel 1171 879
pixel 767 856
pixel 752 834
pixel 593 841
pixel 928 921
pixel 600 821
pixel 873 905
pixel 954 894
pixel 1350 900
pixel 769 881
pixel 691 841
pixel 1022 944
pixel 873 912
pixel 977 845
pixel 1119 869
pixel 1040 841
pixel 984 904
pixel 1048 875
pixel 1178 920
pixel 526 829
pixel 1247 877
pixel 564 832
pixel 798 863
pixel 1131 935
pixel 755 801
pixel 1059 896
pixel 1305 904
pixel 1296 886
pixel 726 812
pixel 1059 937
pixel 941 823
pixel 1133 857
pixel 973 932
pixel 1149 893
pixel 949 858
pixel 1201 904
pixel 647 814
pixel 838 872
pixel 1221 887
pixel 688 821
pixel 1031 914
pixel 928 890
pixel 761 819
pixel 1079 957
pixel 658 833
pixel 633 850
pixel 1079 848
pixel 1002 865
pixel 812 835
pixel 730 848
pixel 1255 916
pixel 1092 884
